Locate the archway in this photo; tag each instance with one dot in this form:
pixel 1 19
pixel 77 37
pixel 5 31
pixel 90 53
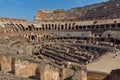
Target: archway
pixel 33 38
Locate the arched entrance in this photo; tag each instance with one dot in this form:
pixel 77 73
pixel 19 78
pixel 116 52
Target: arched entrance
pixel 33 38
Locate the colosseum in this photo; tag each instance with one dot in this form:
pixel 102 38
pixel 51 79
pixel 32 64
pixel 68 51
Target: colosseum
pixel 82 43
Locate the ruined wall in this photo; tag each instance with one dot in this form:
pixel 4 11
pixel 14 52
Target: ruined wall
pixel 23 68
pixel 5 63
pixel 91 75
pixel 50 15
pixel 47 72
pixel 104 10
pixel 13 20
pixel 114 75
pixel 73 34
pixel 26 67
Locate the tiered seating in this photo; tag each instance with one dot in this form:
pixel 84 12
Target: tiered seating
pixel 61 53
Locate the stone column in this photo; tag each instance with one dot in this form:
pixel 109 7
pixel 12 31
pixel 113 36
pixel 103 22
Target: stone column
pixel 23 68
pixel 62 73
pixel 5 63
pixel 80 74
pixel 47 72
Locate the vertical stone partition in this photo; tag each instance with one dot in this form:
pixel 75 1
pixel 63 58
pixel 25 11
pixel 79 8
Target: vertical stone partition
pixel 62 72
pixel 80 73
pixel 24 68
pixel 47 72
pixel 5 63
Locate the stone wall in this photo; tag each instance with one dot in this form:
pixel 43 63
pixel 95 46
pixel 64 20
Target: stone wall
pixel 5 63
pixel 96 75
pixel 26 67
pixel 13 20
pixel 47 72
pixel 114 75
pixel 104 10
pixel 23 68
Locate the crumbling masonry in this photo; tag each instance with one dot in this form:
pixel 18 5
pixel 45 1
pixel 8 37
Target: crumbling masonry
pixel 60 43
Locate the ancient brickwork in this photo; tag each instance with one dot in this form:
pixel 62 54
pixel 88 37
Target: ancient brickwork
pixel 23 68
pixel 96 75
pixel 104 10
pixel 30 68
pixel 5 63
pixel 13 20
pixel 60 43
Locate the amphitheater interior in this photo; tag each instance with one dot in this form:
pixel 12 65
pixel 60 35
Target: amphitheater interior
pixel 62 44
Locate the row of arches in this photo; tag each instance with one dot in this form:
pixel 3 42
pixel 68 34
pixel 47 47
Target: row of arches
pixel 79 27
pixel 60 27
pixel 57 26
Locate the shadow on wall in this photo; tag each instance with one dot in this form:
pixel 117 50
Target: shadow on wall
pixel 114 75
pixel 69 78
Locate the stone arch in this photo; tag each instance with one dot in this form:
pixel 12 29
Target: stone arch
pixel 102 26
pixel 49 28
pixel 58 26
pixel 37 29
pixel 42 25
pixel 26 29
pixel 109 35
pixel 96 26
pixel 73 24
pixel 33 37
pixel 84 27
pixel 112 25
pixel 33 27
pixel 14 27
pixel 23 28
pixel 30 28
pixel 40 28
pixel 93 26
pixel 52 26
pixel 9 25
pixel 20 29
pixel 46 25
pixel 66 26
pixel 55 26
pixel 73 28
pixel 69 27
pixel 107 26
pixel 118 25
pixel 77 27
pixel 62 27
pixel 80 27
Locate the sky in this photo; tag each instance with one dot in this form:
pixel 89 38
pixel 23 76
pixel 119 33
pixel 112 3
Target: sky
pixel 26 9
